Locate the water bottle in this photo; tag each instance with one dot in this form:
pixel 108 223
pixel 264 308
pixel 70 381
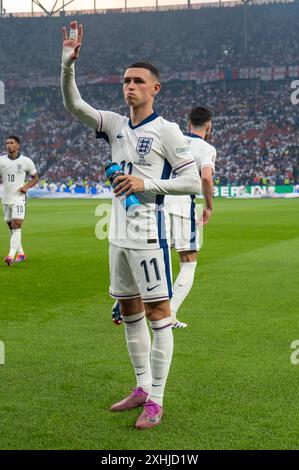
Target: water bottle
pixel 113 170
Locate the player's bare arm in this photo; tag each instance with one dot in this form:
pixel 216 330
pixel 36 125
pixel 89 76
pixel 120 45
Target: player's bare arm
pixel 127 185
pixel 29 185
pixel 207 190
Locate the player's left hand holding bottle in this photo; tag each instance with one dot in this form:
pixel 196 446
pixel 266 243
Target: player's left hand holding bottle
pixel 71 43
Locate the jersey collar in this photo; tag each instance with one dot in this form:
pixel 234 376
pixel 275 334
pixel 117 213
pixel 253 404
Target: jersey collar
pixel 150 118
pixel 18 156
pixel 190 134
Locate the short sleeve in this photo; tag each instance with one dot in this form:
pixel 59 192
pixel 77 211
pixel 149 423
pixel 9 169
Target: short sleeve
pixel 176 148
pixel 208 159
pixel 109 126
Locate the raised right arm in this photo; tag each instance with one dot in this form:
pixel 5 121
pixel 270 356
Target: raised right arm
pixel 71 96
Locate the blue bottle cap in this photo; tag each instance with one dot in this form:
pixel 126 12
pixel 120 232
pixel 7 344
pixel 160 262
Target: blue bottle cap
pixel 111 168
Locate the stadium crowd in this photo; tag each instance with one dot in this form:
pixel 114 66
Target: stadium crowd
pixel 255 132
pixel 179 40
pixel 255 124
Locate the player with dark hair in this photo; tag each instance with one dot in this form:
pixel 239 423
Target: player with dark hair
pixel 14 168
pixel 147 147
pixel 182 209
pixel 198 117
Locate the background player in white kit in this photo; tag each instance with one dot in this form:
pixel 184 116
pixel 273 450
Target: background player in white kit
pixel 182 209
pixel 147 147
pixel 14 168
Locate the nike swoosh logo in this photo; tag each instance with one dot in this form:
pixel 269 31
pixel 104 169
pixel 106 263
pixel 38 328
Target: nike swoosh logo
pixel 119 136
pixel 152 288
pixel 156 385
pixel 140 374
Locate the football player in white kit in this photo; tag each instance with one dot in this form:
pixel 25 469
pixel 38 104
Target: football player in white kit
pixel 184 220
pixel 14 168
pixel 148 148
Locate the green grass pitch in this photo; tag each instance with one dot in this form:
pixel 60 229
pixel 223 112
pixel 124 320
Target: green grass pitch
pixel 232 384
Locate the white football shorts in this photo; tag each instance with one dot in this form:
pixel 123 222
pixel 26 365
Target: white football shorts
pixel 184 233
pixel 14 211
pixel 140 273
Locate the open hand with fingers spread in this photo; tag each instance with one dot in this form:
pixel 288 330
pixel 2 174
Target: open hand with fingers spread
pixel 71 44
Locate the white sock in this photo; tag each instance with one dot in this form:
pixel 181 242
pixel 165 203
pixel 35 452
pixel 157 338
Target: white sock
pixel 139 347
pixel 182 286
pixel 15 242
pixel 161 357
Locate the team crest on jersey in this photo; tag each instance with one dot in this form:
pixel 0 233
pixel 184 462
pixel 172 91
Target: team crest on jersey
pixel 19 168
pixel 144 145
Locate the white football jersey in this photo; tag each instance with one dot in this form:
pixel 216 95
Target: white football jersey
pixel 204 156
pixel 152 149
pixel 14 172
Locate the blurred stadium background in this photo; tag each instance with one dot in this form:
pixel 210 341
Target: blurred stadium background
pixel 238 59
